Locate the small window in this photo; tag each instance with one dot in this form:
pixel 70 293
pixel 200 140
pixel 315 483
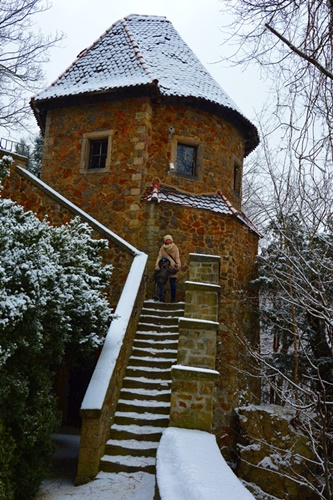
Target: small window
pixel 186 159
pixel 98 153
pixel 237 179
pixel 187 154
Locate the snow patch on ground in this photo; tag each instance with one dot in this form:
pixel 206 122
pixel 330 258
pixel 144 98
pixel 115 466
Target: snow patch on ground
pixel 60 483
pixel 137 486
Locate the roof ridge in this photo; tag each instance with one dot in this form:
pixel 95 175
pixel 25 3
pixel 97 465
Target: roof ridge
pixel 136 48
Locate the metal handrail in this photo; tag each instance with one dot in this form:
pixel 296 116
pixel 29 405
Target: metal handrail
pixel 11 146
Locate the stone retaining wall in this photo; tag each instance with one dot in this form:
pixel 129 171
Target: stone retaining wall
pixel 194 376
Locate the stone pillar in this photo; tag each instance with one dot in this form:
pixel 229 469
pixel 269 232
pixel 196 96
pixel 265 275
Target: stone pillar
pixel 194 375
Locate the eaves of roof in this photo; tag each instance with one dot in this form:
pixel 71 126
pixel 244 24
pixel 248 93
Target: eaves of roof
pixel 216 203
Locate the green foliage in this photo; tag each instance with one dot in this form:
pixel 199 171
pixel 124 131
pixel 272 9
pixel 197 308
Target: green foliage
pixel 28 406
pixel 33 152
pixel 8 460
pixel 52 306
pixel 5 164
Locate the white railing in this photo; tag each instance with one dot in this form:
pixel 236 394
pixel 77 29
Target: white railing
pixel 11 146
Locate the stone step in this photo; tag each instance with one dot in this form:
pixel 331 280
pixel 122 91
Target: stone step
pixel 127 463
pixel 144 394
pixel 146 383
pixel 161 313
pixel 142 405
pixel 153 327
pixel 141 418
pixel 137 432
pixel 164 306
pixel 143 408
pixel 156 344
pixel 157 335
pixel 148 361
pixel 159 320
pixel 131 447
pixel 153 351
pixel 148 372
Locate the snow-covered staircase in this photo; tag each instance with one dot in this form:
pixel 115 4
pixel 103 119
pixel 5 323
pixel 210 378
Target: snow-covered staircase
pixel 143 408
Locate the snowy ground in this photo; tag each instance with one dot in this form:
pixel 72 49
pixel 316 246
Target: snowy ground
pixel 60 484
pixel 189 467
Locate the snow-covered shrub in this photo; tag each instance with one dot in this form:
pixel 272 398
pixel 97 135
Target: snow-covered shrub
pixel 52 306
pixel 5 163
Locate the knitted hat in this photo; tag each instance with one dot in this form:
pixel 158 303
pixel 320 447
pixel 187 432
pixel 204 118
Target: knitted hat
pixel 168 237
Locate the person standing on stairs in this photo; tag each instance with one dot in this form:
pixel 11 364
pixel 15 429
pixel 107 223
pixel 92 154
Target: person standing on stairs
pixel 161 277
pixel 169 250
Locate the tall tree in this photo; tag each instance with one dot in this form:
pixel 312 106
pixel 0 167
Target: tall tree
pixel 292 41
pixel 33 151
pixel 293 206
pixel 23 50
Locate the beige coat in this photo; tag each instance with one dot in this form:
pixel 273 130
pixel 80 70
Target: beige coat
pixel 170 252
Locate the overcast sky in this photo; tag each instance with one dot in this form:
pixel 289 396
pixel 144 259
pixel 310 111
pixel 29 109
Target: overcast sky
pixel 199 22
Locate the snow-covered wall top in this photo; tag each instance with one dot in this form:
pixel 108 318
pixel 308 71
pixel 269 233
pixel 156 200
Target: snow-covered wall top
pixel 139 50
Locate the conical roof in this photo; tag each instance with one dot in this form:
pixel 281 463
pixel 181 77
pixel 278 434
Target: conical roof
pixel 144 51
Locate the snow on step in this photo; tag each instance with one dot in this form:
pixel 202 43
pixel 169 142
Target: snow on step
pixel 148 369
pixel 133 444
pixel 159 326
pixel 142 421
pixel 158 337
pixel 146 380
pixel 149 358
pixel 147 392
pixel 145 403
pixel 150 314
pixel 129 460
pixel 140 416
pixel 138 429
pixel 154 341
pixel 154 351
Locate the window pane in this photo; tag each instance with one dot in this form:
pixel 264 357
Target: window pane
pixel 98 153
pixel 237 179
pixel 186 159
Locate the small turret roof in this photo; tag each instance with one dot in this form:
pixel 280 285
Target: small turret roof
pixel 216 203
pixel 144 51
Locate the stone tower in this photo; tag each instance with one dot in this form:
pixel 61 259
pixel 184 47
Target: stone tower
pixel 141 137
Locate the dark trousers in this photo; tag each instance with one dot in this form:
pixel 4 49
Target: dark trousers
pixel 173 289
pixel 160 291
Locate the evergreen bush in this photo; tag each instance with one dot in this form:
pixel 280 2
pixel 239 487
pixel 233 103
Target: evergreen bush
pixel 53 306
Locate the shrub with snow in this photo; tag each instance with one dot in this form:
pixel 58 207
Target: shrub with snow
pixel 53 306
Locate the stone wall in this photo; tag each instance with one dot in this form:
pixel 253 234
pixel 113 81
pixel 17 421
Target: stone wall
pixel 30 194
pixel 194 376
pixel 141 151
pixel 221 142
pixel 112 197
pixel 274 454
pixel 202 232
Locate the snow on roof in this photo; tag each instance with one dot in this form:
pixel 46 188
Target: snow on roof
pixel 217 203
pixel 139 50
